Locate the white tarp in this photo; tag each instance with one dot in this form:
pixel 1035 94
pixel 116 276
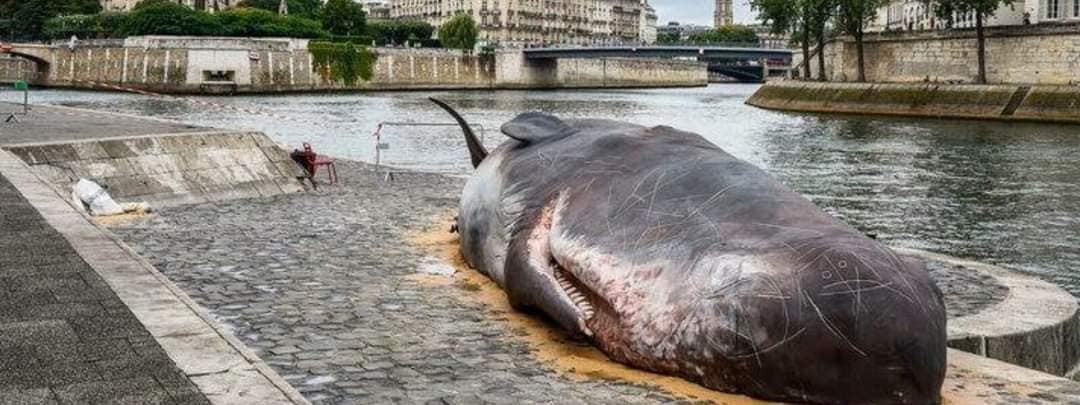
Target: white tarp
pixel 93 196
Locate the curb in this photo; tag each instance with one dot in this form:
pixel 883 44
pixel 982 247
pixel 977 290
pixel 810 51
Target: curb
pixel 225 370
pixel 1037 325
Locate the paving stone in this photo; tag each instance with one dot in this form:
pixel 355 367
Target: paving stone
pixel 35 396
pixel 62 330
pixel 316 281
pixel 135 391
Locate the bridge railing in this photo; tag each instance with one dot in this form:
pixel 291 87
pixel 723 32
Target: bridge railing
pixel 757 45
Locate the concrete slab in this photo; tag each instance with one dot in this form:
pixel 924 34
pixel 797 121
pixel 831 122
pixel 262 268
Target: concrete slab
pixel 167 169
pixel 64 124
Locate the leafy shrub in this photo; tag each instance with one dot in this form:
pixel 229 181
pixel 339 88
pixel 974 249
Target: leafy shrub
pixel 164 18
pixel 725 34
pixel 343 62
pixel 343 17
pixel 297 8
pixel 252 22
pixel 459 33
pixel 80 25
pixel 398 31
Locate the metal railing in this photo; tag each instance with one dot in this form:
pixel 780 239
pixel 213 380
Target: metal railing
pixel 380 146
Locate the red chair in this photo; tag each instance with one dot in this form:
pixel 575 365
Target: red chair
pixel 313 161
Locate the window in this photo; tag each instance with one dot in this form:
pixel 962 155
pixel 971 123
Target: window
pixel 1076 8
pixel 1052 7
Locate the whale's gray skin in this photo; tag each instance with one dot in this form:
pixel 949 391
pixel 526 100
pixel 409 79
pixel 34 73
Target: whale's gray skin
pixel 673 256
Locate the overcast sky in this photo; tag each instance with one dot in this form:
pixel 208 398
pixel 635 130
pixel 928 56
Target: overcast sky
pixel 698 11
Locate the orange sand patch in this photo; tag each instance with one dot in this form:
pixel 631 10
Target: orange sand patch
pixel 574 359
pixel 121 219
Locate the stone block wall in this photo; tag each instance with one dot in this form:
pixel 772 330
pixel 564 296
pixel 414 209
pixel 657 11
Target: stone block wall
pixel 1014 55
pixel 513 70
pixel 629 72
pixel 170 169
pixel 224 65
pixel 14 69
pixel 999 102
pixel 258 69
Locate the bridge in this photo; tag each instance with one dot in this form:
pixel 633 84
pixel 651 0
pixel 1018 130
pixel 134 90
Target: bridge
pixel 38 55
pixel 742 63
pixel 661 51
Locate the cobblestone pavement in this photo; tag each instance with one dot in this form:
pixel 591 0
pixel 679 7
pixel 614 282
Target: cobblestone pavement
pixel 65 337
pixel 316 285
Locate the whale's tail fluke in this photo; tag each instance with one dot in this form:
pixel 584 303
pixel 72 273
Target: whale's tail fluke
pixel 476 149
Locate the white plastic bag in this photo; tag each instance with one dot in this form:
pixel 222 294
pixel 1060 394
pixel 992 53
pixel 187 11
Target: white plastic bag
pixel 99 201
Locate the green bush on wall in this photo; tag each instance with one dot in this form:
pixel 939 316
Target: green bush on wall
pixel 167 18
pixel 163 17
pixel 342 62
pixel 253 22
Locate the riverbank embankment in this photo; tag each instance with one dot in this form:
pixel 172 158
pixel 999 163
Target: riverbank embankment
pixel 206 65
pixel 354 293
pixel 143 159
pixel 995 102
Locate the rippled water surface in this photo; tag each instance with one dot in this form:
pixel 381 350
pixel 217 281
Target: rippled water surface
pixel 1000 192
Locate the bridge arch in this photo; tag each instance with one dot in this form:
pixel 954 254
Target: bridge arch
pixel 37 56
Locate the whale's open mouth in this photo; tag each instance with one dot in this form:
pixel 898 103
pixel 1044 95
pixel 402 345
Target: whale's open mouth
pixel 561 294
pixel 574 290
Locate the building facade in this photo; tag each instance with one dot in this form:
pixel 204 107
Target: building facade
pixel 377 9
pixel 542 22
pixel 204 5
pixel 724 14
pixel 679 31
pixel 917 15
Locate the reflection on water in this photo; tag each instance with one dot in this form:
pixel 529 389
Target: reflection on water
pixel 1001 192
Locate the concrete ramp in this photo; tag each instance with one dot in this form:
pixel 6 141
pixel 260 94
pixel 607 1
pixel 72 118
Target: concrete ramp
pixel 169 169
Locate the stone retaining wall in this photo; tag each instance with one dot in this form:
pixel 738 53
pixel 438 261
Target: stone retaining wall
pixel 230 65
pixel 15 69
pixel 169 169
pixel 1042 54
pixel 1000 102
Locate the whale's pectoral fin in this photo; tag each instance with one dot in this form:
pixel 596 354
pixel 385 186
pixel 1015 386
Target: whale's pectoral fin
pixel 534 127
pixel 534 279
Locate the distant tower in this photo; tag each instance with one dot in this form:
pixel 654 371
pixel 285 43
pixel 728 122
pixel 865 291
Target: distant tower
pixel 283 8
pixel 723 14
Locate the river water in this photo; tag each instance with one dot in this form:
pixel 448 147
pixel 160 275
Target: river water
pixel 1004 193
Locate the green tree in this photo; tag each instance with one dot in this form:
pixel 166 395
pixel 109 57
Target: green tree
pixel 166 18
pixel 343 17
pixel 667 38
pixel 820 12
pixel 399 31
pixel 852 17
pixel 26 18
pixel 301 8
pixel 253 22
pixel 787 16
pixel 949 9
pixel 459 33
pixel 731 34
